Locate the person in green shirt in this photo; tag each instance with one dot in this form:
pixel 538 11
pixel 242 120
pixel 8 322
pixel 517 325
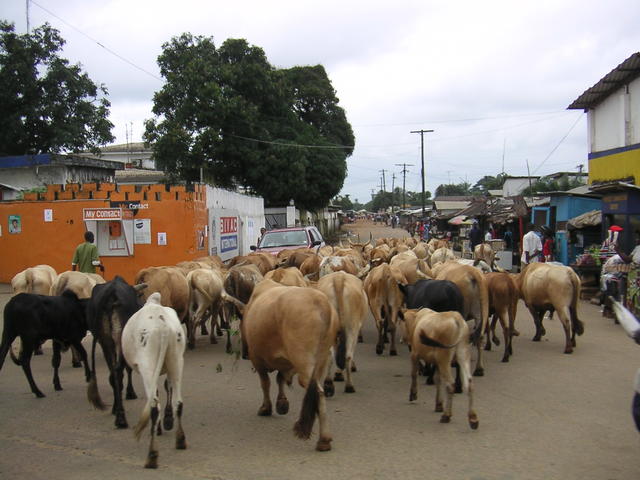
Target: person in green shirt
pixel 85 258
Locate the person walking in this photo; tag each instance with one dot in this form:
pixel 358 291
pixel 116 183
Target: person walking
pixel 85 258
pixel 475 236
pixel 531 246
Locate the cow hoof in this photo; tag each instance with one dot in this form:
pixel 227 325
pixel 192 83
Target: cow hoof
pixel 264 411
pixel 393 353
pixel 39 394
pixel 329 389
pixel 213 341
pixel 487 347
pixel 573 342
pixel 57 387
pixel 413 396
pixel 121 421
pixel 445 419
pixel 439 407
pixel 152 460
pixel 181 443
pixel 282 406
pixel 474 423
pixel 167 422
pixel 430 381
pixel 131 395
pixel 496 341
pixel 379 349
pixel 338 377
pixel 479 372
pixel 76 364
pixel 536 338
pixel 457 389
pixel 349 389
pixel 323 445
pixel 191 345
pixel 515 333
pixel 505 359
pixel 353 367
pixel 568 350
pixel 360 339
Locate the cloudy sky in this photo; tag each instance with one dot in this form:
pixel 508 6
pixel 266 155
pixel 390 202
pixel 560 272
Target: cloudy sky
pixel 493 79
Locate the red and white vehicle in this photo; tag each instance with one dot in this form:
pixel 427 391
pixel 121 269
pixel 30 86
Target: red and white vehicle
pixel 273 241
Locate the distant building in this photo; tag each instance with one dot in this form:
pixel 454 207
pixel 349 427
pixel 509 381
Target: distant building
pixel 515 185
pixel 613 118
pixel 131 155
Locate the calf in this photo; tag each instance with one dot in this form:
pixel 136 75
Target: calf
pixel 36 318
pixel 153 344
pixel 503 305
pixel 439 338
pixel 172 284
pixel 108 310
pixel 292 330
pixel 206 297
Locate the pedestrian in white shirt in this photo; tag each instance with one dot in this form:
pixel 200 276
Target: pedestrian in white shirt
pixel 487 236
pixel 531 246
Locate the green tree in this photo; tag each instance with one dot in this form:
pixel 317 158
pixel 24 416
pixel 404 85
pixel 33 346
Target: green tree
pixel 47 105
pixel 458 189
pixel 487 183
pixel 546 184
pixel 278 133
pixel 344 202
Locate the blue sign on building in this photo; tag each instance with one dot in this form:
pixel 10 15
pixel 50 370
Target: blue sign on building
pixel 229 242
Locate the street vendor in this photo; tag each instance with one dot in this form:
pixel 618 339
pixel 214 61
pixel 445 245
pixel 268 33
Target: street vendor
pixel 619 278
pixel 632 293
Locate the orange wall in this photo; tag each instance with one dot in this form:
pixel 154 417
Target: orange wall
pixel 178 213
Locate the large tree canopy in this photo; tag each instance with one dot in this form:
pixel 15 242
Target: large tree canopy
pixel 229 114
pixel 47 105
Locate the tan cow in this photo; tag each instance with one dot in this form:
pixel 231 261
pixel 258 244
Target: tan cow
pixel 385 300
pixel 503 305
pixel 336 264
pixel 264 261
pixel 439 338
pixel 172 285
pixel 411 267
pixel 80 283
pixel 36 279
pixel 441 255
pixel 475 292
pixel 290 276
pixel 292 330
pixel 484 252
pixel 212 261
pixel 346 294
pixel 544 285
pixel 206 287
pixel 310 268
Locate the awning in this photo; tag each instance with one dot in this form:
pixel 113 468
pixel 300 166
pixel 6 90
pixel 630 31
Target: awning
pixel 587 219
pixel 461 220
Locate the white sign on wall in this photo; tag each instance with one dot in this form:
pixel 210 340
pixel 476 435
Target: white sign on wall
pixel 48 215
pixel 162 238
pixel 142 230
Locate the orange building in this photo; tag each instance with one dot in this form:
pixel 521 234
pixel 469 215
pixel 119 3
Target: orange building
pixel 135 226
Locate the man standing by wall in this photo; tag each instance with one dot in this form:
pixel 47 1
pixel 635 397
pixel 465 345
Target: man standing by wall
pixel 475 236
pixel 86 258
pixel 531 246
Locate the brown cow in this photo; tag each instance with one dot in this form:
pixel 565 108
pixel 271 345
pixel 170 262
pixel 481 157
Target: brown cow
pixel 411 267
pixel 503 305
pixel 439 338
pixel 292 330
pixel 336 264
pixel 36 279
pixel 172 285
pixel 474 289
pixel 544 285
pixel 484 252
pixel 385 300
pixel 346 294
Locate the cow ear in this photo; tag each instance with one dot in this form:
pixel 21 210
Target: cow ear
pixel 140 287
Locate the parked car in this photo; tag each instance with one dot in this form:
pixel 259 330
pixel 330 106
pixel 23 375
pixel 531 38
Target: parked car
pixel 273 241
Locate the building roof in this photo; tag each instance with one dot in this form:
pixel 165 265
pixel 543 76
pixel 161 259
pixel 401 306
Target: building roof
pixel 134 175
pixel 125 147
pixel 52 159
pixel 624 73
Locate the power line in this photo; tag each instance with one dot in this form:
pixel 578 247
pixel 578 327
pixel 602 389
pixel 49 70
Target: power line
pixel 284 144
pixel 96 41
pixel 559 143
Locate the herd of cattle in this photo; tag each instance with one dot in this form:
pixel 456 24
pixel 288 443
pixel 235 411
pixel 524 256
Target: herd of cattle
pixel 297 311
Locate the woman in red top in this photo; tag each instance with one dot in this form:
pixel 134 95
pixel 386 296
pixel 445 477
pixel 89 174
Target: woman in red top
pixel 547 247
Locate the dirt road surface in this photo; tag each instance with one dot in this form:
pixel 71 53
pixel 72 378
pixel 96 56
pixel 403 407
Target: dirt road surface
pixel 543 415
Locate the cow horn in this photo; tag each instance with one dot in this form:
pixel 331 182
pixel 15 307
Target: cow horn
pixel 140 286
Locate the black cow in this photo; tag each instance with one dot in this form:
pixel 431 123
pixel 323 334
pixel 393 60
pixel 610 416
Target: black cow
pixel 36 318
pixel 110 306
pixel 437 295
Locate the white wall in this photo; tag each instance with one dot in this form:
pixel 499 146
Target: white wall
pixel 250 212
pixel 514 186
pixel 615 122
pixel 26 178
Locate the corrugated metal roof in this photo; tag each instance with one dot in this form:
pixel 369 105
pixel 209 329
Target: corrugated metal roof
pixel 619 76
pixel 450 205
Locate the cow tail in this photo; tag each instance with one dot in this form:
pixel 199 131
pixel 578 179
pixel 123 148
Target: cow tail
pixel 430 342
pixel 310 406
pixel 341 350
pixel 28 276
pixel 578 326
pixel 7 340
pixel 93 395
pixel 152 393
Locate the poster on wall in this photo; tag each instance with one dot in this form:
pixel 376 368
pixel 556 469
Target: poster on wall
pixel 162 238
pixel 200 234
pixel 228 234
pixel 15 224
pixel 142 231
pixel 48 215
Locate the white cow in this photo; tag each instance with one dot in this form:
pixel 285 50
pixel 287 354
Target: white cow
pixel 153 344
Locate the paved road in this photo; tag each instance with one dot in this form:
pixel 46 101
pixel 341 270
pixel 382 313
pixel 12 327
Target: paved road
pixel 544 415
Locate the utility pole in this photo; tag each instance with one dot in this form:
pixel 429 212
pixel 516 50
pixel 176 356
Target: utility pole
pixel 393 183
pixel 422 132
pixel 27 17
pixel 404 178
pixel 383 184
